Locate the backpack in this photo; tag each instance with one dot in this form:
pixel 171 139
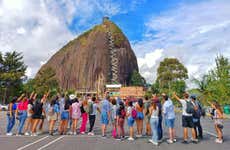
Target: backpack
pixel 189 107
pixel 134 113
pixel 202 110
pixel 90 108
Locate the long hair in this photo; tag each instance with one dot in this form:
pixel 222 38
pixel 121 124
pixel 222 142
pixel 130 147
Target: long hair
pixel 140 102
pixel 217 106
pixel 53 102
pixel 154 105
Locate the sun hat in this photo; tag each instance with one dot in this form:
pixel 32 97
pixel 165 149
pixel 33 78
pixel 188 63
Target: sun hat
pixel 72 96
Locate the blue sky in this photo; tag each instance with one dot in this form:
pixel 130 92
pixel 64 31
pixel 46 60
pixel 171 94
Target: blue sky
pixel 194 31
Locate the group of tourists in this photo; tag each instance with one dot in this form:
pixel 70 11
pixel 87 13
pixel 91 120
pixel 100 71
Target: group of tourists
pixel 64 114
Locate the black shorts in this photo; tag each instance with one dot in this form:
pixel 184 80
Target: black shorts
pixel 36 116
pixel 187 122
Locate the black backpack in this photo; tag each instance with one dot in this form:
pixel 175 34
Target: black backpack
pixel 189 107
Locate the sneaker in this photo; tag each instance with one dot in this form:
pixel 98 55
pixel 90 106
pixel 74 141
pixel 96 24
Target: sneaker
pixel 118 138
pixel 51 134
pixel 70 133
pixel 91 133
pixel 131 139
pixel 103 136
pixel 75 133
pixel 154 143
pixel 138 135
pixel 39 132
pixel 34 134
pixel 174 140
pixel 219 141
pixel 160 141
pixel 19 134
pixel 82 133
pixel 169 141
pixel 195 141
pixel 27 134
pixel 184 142
pixel 9 134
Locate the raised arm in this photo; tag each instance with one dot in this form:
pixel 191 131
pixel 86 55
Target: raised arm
pixel 21 97
pixel 175 96
pixel 31 95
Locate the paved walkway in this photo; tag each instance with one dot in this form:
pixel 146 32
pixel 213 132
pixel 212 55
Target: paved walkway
pixel 85 142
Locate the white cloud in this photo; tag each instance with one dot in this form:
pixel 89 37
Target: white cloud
pixel 150 58
pixel 193 33
pixel 21 30
pixel 38 28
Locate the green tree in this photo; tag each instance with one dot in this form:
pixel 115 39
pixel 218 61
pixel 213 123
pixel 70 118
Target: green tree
pixel 155 88
pixel 171 76
pixel 216 84
pixel 45 81
pixel 137 79
pixel 11 74
pixel 219 84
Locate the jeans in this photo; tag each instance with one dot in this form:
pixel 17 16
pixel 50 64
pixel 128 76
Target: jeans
pixel 159 129
pixel 154 127
pixel 22 119
pixel 198 126
pixel 92 119
pixel 10 123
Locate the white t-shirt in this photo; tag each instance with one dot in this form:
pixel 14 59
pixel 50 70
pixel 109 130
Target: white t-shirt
pixel 184 107
pixel 129 110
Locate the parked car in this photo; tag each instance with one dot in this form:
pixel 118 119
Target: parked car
pixel 3 107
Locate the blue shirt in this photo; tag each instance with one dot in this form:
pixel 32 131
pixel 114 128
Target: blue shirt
pixel 56 108
pixel 105 106
pixel 168 109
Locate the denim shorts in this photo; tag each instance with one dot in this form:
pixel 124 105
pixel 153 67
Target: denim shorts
pixel 169 123
pixel 104 118
pixel 65 115
pixel 130 121
pixel 140 115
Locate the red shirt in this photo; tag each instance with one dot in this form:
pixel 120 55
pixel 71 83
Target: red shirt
pixel 23 105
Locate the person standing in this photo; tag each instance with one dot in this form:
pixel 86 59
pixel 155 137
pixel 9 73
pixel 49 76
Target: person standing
pixel 84 114
pixel 187 119
pixel 147 104
pixel 121 114
pixel 76 115
pixel 140 117
pixel 154 111
pixel 53 112
pixel 65 116
pixel 169 116
pixel 218 121
pixel 21 114
pixel 113 117
pixel 196 117
pixel 130 120
pixel 11 117
pixel 159 128
pixel 38 110
pixel 29 120
pixel 93 108
pixel 105 114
